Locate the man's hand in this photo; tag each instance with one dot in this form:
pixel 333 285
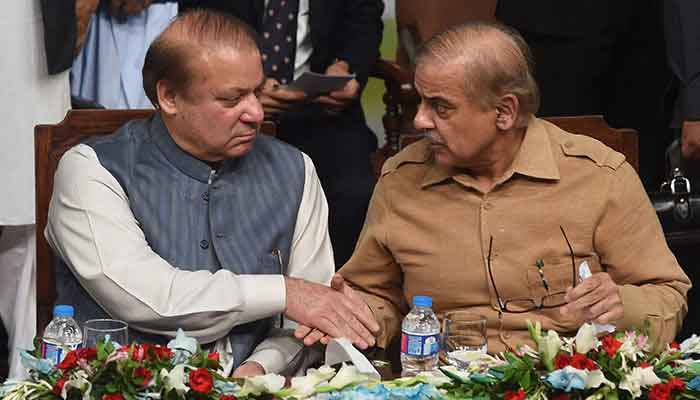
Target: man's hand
pixel 595 299
pixel 309 335
pixel 691 140
pixel 248 368
pixel 336 101
pixel 275 99
pixel 337 311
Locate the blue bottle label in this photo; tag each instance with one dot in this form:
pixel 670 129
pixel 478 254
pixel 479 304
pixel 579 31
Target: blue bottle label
pixel 54 352
pixel 420 345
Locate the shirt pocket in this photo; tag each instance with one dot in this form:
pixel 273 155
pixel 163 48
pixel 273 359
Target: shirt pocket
pixel 559 276
pixel 270 263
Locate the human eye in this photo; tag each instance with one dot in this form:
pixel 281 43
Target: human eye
pixel 441 108
pixel 229 101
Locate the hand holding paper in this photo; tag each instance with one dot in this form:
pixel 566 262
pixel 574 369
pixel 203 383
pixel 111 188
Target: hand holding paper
pixel 584 272
pixel 596 298
pixel 314 84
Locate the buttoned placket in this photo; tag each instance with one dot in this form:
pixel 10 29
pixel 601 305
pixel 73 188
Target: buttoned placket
pixel 204 243
pixel 486 205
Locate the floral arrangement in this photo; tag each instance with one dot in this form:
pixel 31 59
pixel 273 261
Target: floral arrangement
pixel 182 370
pixel 614 366
pixel 611 367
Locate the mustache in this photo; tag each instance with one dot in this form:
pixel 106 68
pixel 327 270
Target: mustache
pixel 433 137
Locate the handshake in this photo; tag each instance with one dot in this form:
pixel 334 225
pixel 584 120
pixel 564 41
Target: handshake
pixel 324 312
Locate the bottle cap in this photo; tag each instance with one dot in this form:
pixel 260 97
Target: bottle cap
pixel 63 310
pixel 422 301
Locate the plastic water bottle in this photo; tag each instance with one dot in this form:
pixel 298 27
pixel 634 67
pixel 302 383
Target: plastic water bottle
pixel 61 336
pixel 420 338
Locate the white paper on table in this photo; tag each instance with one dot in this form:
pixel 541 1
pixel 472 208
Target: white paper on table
pixel 314 83
pixel 584 272
pixel 341 350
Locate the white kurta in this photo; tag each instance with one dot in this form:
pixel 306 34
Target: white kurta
pixel 30 96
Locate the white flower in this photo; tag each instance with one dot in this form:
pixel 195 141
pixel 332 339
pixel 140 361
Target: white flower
pixel 567 345
pixel 586 339
pixel 637 379
pixel 596 378
pixel 79 381
pixel 304 386
pixel 691 345
pixel 525 349
pixel 348 375
pixel 256 385
pixel 548 347
pixel 175 379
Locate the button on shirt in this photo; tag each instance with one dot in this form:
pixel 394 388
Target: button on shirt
pixel 428 229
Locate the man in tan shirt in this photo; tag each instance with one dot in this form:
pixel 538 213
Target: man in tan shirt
pixel 495 210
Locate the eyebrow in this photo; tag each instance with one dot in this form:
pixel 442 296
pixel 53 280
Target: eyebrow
pixel 234 90
pixel 437 99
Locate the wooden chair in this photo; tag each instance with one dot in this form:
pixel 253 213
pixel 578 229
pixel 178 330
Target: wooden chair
pixel 50 142
pixel 400 101
pixel 624 140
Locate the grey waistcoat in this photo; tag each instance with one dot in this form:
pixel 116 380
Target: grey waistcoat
pixel 240 218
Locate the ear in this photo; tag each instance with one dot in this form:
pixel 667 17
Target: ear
pixel 507 112
pixel 166 97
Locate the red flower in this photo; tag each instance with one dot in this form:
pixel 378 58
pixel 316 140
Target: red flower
pixel 512 395
pixel 88 353
pixel 58 387
pixel 579 361
pixel 113 396
pixel 611 345
pixel 201 380
pixel 676 384
pixel 644 364
pixel 143 373
pixel 562 360
pixel 660 391
pixel 213 356
pixel 162 352
pixel 561 396
pixel 674 345
pixel 227 397
pixel 70 361
pixel 140 352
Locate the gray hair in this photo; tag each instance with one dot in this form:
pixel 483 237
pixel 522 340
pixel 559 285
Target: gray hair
pixel 496 61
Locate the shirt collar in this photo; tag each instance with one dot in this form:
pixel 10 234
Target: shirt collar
pixel 534 159
pixel 185 162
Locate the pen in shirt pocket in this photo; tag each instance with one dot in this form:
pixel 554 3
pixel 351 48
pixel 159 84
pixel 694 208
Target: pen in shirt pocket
pixel 277 253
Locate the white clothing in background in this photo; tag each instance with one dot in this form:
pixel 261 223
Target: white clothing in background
pixel 108 68
pixel 29 97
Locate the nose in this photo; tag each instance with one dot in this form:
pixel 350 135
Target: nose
pixel 253 112
pixel 422 120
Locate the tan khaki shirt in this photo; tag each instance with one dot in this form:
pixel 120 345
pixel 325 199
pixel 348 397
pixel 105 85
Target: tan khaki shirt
pixel 427 233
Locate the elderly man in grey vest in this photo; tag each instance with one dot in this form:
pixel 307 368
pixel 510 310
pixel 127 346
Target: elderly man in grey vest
pixel 192 220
